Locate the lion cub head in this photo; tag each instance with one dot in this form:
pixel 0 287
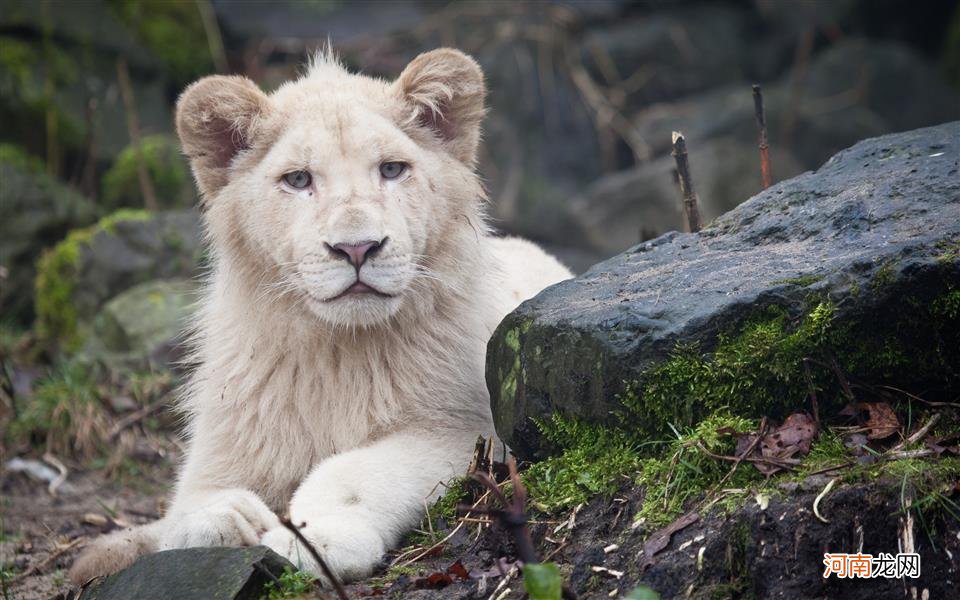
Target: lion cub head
pixel 338 190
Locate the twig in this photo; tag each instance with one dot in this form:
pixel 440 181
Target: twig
pixel 134 418
pixel 691 209
pixel 820 496
pixel 915 437
pixel 828 469
pixel 212 29
pixel 762 124
pixel 760 434
pixel 342 593
pixel 901 454
pixel 133 128
pixel 46 562
pixel 437 545
pixel 814 405
pixel 513 515
pixel 919 399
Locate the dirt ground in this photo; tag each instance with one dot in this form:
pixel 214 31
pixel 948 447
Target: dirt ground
pixel 43 533
pixel 755 551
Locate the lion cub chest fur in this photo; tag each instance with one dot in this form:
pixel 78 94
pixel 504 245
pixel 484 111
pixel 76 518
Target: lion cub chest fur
pixel 341 339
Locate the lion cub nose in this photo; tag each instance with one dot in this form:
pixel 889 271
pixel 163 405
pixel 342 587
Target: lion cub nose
pixel 356 254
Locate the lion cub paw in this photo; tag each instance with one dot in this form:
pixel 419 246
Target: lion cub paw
pixel 229 518
pixel 350 547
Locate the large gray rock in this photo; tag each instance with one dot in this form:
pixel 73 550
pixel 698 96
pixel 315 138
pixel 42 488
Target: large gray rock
pixel 193 574
pixel 36 211
pixel 858 262
pixel 145 324
pixel 77 277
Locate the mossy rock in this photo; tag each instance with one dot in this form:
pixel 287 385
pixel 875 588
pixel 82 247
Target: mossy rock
pixel 36 212
pixel 166 167
pixel 144 325
pixel 77 277
pixel 853 264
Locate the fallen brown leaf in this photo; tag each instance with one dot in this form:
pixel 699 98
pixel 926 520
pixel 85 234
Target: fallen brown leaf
pixel 881 421
pixel 661 539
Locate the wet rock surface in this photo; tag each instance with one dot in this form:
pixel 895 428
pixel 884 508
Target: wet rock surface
pixel 874 232
pixel 193 574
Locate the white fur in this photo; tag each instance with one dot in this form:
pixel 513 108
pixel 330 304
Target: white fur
pixel 347 413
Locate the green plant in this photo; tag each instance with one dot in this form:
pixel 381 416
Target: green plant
pixel 542 581
pixel 65 415
pixel 291 584
pixel 166 167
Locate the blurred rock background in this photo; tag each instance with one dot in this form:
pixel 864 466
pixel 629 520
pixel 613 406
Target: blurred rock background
pixel 99 243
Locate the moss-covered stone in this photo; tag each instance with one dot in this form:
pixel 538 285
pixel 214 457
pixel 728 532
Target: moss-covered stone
pixel 79 275
pixel 688 324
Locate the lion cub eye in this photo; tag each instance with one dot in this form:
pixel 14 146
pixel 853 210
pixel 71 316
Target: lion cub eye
pixel 393 169
pixel 297 179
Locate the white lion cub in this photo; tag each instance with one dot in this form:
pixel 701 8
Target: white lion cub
pixel 342 336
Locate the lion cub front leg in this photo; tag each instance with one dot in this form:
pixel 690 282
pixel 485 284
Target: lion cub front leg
pixel 231 517
pixel 355 506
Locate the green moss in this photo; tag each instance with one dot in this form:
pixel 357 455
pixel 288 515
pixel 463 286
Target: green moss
pixel 884 276
pixel 594 461
pixel 167 169
pixel 685 472
pixel 947 305
pixel 801 281
pixel 57 272
pixel 757 371
pixel 949 250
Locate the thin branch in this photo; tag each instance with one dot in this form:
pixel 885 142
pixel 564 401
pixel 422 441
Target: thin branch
pixel 762 125
pixel 915 437
pixel 133 128
pixel 47 561
pixel 214 39
pixel 342 593
pixel 691 209
pixel 135 417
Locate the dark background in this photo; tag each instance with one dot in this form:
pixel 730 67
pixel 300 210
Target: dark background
pixel 583 95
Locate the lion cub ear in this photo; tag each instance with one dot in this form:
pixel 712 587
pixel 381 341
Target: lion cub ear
pixel 445 90
pixel 216 119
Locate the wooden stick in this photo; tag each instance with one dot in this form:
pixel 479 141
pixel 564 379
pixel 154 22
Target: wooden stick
pixel 762 124
pixel 133 128
pixel 135 417
pixel 46 562
pixel 691 209
pixel 342 593
pixel 214 39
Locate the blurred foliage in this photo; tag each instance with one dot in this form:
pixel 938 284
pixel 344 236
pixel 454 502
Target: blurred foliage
pixel 172 31
pixel 18 157
pixel 30 74
pixel 65 415
pixel 168 172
